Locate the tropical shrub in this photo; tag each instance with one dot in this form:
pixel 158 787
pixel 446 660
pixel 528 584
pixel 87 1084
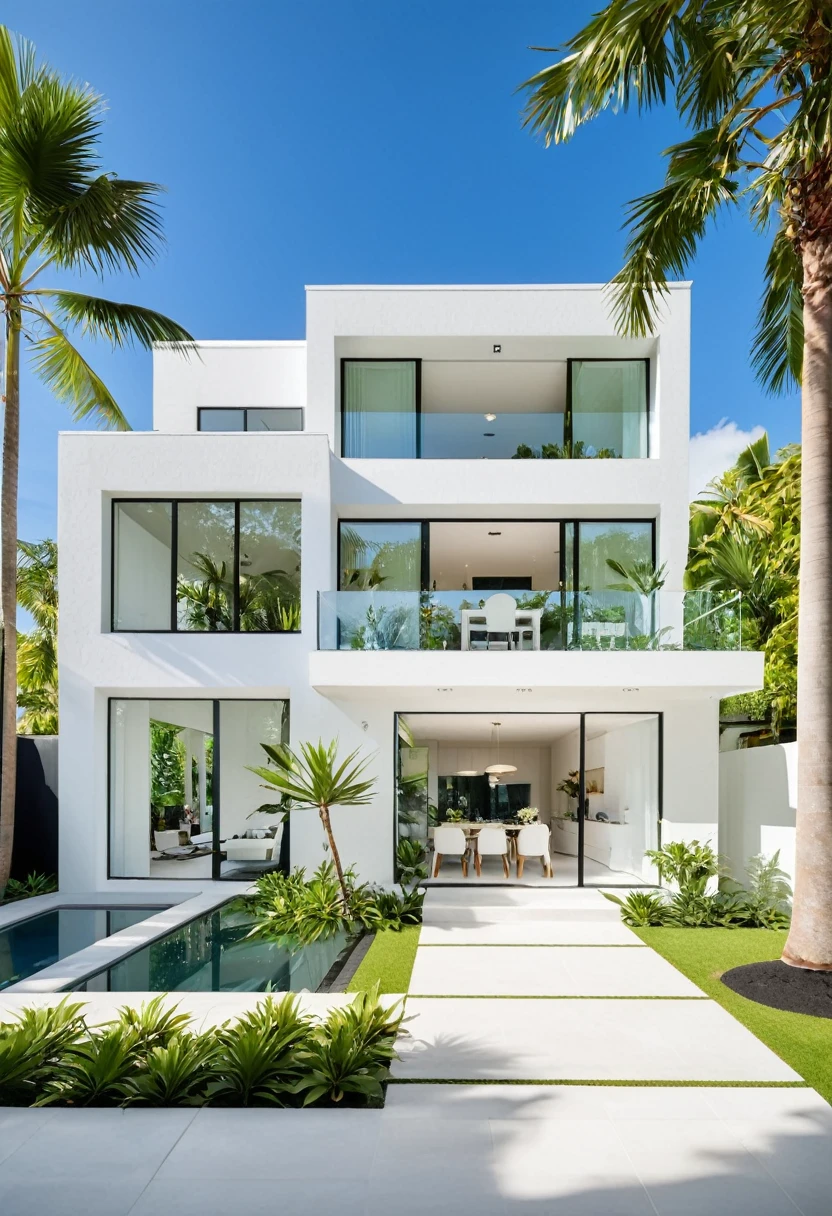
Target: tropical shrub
pixel 25 888
pixel 640 908
pixel 685 863
pixel 274 1055
pixel 410 861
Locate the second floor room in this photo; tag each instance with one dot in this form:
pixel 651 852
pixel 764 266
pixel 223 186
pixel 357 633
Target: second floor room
pixel 528 385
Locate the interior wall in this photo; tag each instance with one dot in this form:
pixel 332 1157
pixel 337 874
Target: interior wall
pixel 533 767
pixel 143 577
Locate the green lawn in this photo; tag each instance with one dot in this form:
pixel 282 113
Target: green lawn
pixel 389 961
pixel 704 954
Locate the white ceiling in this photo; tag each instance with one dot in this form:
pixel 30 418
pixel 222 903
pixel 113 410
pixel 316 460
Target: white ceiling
pixel 529 729
pixel 462 386
pixel 460 550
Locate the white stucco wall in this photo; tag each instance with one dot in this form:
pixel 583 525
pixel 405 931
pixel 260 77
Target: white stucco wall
pixel 757 804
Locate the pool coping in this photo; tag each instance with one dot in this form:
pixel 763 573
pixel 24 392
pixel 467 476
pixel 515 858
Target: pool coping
pixel 80 966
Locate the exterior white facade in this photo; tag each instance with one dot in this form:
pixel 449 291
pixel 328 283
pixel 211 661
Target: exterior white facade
pixel 356 694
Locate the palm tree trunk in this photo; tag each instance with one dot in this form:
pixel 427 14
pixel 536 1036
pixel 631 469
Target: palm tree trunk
pixel 810 939
pixel 8 594
pixel 323 811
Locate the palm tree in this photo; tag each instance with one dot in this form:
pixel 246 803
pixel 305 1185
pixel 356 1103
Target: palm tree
pixel 59 211
pixel 642 577
pixel 753 81
pixel 316 779
pixel 37 651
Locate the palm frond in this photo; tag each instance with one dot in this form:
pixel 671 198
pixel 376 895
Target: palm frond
pixel 121 324
pixel 66 372
pixel 314 778
pixel 777 350
pixel 111 224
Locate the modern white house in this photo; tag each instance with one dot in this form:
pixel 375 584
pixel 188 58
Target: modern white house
pixel 397 532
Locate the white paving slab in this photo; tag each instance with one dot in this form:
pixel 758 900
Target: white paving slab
pixel 492 905
pixel 546 971
pixel 582 1040
pixel 519 932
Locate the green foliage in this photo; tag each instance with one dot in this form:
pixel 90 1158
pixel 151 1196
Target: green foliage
pixel 764 905
pixel 295 911
pixel 351 1052
pixel 575 450
pixel 25 888
pixel 273 1055
pixel 685 864
pixel 571 785
pixel 167 765
pixel 410 860
pixel 640 576
pixel 731 549
pixel 37 651
pixel 639 908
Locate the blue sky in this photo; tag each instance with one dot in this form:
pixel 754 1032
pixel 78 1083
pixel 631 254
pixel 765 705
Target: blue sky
pixel 362 141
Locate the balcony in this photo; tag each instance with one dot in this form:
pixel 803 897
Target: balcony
pixel 540 620
pixel 462 409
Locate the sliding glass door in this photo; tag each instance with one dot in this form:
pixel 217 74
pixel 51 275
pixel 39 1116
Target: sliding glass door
pixel 380 408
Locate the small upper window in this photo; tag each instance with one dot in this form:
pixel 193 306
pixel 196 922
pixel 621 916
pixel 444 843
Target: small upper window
pixel 250 419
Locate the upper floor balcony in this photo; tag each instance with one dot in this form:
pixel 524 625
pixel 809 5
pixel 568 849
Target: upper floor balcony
pixel 478 409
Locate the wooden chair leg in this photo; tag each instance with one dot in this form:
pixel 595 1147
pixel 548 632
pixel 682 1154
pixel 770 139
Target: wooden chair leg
pixel 464 865
pixel 521 861
pixel 478 864
pixel 505 866
pixel 438 865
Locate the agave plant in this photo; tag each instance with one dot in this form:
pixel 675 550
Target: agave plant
pixel 314 778
pixel 640 909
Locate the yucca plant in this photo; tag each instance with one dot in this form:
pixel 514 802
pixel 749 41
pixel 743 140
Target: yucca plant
pixel 31 1048
pixel 177 1074
pixel 315 778
pixel 351 1053
pixel 60 211
pixel 96 1070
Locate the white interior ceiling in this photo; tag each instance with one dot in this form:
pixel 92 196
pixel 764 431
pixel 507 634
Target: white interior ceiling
pixel 462 386
pixel 535 729
pixel 459 551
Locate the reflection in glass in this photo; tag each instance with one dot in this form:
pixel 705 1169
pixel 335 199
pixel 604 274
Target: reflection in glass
pixel 379 408
pixel 222 420
pixel 622 783
pixel 383 556
pixel 609 407
pixel 251 823
pixel 283 419
pixel 613 613
pixel 205 567
pixel 142 557
pixel 270 566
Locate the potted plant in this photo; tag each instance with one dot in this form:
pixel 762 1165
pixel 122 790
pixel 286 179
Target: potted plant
pixel 528 814
pixel 571 786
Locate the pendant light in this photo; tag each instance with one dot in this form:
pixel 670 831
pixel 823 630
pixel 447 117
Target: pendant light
pixel 498 768
pixel 468 772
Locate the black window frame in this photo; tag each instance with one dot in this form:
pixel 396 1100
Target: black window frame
pixel 244 409
pixel 568 418
pixel 174 504
pixel 216 807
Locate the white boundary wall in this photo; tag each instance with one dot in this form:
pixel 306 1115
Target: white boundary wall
pixel 757 804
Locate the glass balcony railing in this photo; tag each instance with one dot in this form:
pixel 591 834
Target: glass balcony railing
pixel 543 620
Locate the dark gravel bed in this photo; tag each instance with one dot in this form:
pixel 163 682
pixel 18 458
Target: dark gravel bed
pixel 782 987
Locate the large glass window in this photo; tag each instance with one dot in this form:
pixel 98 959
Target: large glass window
pixel 205 567
pixel 282 418
pixel 622 797
pixel 169 817
pixel 236 566
pixel 142 565
pixel 380 408
pixel 269 566
pixel 614 564
pixel 381 556
pixel 609 407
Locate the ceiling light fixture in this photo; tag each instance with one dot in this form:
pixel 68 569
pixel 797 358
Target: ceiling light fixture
pixel 497 769
pixel 629 690
pixel 522 690
pixel 444 690
pixel 495 534
pixel 497 348
pixel 490 417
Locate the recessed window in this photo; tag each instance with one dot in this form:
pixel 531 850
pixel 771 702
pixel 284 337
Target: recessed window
pixel 289 418
pixel 197 566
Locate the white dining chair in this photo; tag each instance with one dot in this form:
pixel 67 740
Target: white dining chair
pixel 491 842
pixel 533 841
pixel 501 623
pixel 450 842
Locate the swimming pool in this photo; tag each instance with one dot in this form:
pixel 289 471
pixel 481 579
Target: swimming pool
pixel 213 953
pixel 39 941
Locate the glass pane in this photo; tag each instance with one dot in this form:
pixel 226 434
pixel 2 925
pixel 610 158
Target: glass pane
pixel 506 436
pixel 379 409
pixel 622 797
pixel 609 408
pixel 383 556
pixel 274 420
pixel 270 566
pixel 205 566
pixel 222 420
pixel 142 556
pixel 412 793
pixel 251 837
pixel 161 788
pixel 615 611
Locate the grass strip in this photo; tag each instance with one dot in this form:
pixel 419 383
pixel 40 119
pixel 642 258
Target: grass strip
pixel 531 945
pixel 388 962
pixel 613 1084
pixel 804 1042
pixel 517 996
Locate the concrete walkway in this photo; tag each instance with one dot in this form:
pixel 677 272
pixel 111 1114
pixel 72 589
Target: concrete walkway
pixel 586 1149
